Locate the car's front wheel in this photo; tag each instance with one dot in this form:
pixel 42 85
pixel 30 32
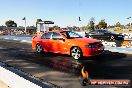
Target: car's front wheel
pixel 76 53
pixel 39 48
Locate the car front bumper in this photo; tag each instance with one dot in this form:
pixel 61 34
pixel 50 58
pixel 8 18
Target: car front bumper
pixel 92 51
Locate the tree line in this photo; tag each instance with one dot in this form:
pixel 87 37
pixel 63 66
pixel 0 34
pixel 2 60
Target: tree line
pixel 90 26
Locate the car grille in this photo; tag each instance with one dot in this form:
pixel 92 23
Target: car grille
pixel 98 44
pixel 95 44
pixel 97 49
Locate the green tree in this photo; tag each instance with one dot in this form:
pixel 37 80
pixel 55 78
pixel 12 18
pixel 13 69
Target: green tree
pixel 102 24
pixel 50 28
pixel 118 24
pixel 69 28
pixel 128 25
pixel 96 26
pixel 91 24
pixel 10 23
pixel 56 27
pixel 75 28
pixel 38 20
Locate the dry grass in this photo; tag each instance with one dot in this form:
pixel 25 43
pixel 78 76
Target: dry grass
pixel 123 30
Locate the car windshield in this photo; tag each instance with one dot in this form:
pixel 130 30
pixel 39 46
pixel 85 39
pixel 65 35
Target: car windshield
pixel 70 34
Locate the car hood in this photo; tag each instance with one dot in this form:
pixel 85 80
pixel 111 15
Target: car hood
pixel 119 34
pixel 84 40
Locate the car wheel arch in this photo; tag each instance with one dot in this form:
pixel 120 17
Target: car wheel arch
pixel 38 44
pixel 74 46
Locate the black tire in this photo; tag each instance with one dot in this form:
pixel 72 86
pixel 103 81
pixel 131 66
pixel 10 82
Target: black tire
pixel 39 49
pixel 90 36
pixel 118 43
pixel 76 53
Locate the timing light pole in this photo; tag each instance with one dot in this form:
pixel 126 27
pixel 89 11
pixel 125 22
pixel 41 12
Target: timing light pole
pixel 80 22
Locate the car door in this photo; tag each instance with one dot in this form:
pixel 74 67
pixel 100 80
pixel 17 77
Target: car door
pixel 56 40
pixel 100 34
pixel 95 34
pixel 45 41
pixel 92 34
pixel 104 34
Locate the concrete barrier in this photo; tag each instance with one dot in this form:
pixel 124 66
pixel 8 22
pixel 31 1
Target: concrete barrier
pixel 15 78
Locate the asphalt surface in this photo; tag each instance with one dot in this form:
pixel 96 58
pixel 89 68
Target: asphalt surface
pixel 62 70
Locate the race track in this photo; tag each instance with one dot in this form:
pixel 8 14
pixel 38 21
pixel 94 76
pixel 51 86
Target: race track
pixel 62 70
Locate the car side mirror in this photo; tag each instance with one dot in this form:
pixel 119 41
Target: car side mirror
pixel 62 39
pixel 106 33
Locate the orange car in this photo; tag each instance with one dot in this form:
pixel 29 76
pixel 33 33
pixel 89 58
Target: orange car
pixel 67 42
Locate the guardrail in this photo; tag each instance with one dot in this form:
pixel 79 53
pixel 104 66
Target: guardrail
pixel 125 43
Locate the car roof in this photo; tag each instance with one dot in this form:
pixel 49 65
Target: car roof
pixel 99 30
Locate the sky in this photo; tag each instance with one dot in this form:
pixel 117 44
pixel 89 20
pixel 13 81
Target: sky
pixel 65 12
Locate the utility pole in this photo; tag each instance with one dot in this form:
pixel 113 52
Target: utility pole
pixel 25 24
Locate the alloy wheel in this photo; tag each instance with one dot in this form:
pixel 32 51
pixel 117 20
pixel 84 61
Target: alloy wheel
pixel 39 48
pixel 112 38
pixel 76 53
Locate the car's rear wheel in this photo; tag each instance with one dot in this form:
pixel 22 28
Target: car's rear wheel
pixel 76 53
pixel 112 38
pixel 90 36
pixel 39 48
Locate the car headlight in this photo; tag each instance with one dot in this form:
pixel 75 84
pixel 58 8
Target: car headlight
pixel 120 36
pixel 90 46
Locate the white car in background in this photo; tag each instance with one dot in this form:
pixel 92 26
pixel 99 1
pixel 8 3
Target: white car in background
pixel 127 35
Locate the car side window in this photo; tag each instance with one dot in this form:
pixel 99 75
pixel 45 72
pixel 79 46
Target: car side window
pixel 46 35
pixel 104 32
pixel 56 36
pixel 43 36
pixel 92 32
pixel 100 32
